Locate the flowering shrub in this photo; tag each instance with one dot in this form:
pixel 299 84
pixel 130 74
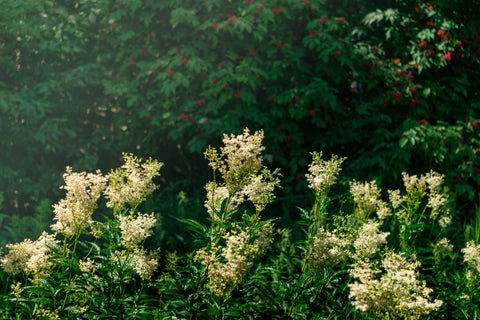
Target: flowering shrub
pixel 360 253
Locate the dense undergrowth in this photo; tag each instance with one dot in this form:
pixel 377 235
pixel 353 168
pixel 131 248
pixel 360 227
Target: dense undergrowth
pixel 357 252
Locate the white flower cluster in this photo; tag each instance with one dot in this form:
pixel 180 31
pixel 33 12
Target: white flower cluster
pixel 136 229
pixel 73 213
pixel 323 174
pixel 471 256
pixel 393 289
pixel 244 177
pixel 367 200
pixel 132 183
pixel 29 257
pixel 369 240
pixel 227 266
pixel 328 249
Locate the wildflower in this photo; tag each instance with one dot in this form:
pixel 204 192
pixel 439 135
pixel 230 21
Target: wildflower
pixel 369 240
pixel 73 213
pixel 136 230
pixel 366 197
pixel 241 158
pixel 392 289
pixel 17 289
pixel 442 247
pixel 132 183
pixel 218 195
pixel 260 189
pixel 228 266
pixel 445 221
pixel 145 265
pixel 329 248
pixel 29 257
pixel 416 189
pixel 88 266
pixel 471 256
pixel 323 174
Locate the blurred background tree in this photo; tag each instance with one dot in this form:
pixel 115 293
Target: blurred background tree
pixel 389 84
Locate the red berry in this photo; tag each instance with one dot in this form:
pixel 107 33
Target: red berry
pixel 311 113
pixel 276 11
pixel 201 103
pixel 341 20
pixel 423 44
pixel 288 138
pixel 184 61
pixel 412 103
pixel 475 125
pixel 338 54
pixel 184 117
pixel 396 61
pixel 215 26
pixel 260 6
pixel 476 171
pixel 143 52
pixel 447 57
pixel 238 94
pixel 171 73
pixel 424 122
pixel 133 63
pixel 231 20
pixel 248 1
pixel 396 96
pixel 306 3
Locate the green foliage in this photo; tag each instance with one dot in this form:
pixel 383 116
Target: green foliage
pixel 85 80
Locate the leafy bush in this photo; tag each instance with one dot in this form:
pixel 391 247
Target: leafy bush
pixel 84 81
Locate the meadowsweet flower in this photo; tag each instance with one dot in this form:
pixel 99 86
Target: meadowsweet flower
pixel 445 221
pixel 395 198
pixel 216 195
pixel 227 266
pixel 88 266
pixel 241 158
pixel 30 257
pixel 240 165
pixel 328 249
pixel 145 264
pixel 369 240
pixel 471 257
pixel 392 289
pixel 132 183
pixel 436 201
pixel 136 229
pixel 434 181
pixel 323 174
pixel 366 197
pixel 416 189
pixel 442 247
pixel 259 190
pixel 73 213
pixel 17 290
